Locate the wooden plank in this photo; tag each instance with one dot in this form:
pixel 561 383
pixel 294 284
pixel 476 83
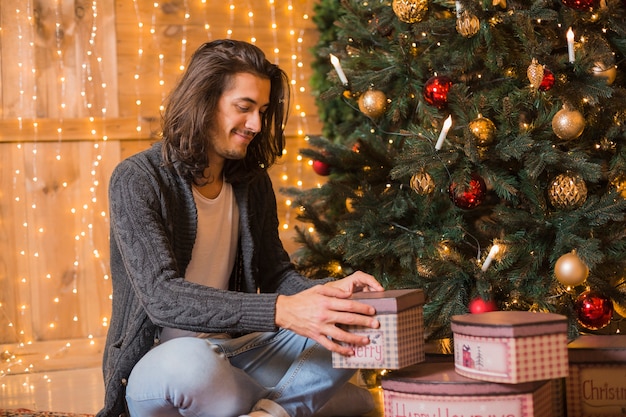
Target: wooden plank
pixel 96 129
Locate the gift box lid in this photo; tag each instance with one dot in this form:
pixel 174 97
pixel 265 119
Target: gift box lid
pixel 391 301
pixel 442 379
pixel 509 324
pixel 598 349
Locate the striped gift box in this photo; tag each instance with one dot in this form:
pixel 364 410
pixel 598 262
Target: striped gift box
pixel 510 346
pixel 596 385
pixel 399 341
pixel 435 389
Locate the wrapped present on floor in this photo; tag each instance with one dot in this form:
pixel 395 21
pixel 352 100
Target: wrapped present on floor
pixel 510 346
pixel 437 390
pixel 399 342
pixel 596 385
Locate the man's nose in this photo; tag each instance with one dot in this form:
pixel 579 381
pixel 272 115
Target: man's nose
pixel 254 122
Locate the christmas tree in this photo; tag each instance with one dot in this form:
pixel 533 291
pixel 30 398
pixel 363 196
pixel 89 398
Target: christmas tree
pixel 476 150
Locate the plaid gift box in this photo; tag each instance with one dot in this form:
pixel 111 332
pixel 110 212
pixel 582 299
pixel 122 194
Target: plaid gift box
pixel 398 342
pixel 510 346
pixel 596 385
pixel 436 390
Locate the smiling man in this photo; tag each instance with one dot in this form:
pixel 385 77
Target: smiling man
pixel 210 317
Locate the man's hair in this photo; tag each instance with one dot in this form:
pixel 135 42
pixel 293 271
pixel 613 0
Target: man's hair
pixel 191 107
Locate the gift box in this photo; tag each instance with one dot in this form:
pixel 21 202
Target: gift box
pixel 510 346
pixel 399 341
pixel 437 390
pixel 596 385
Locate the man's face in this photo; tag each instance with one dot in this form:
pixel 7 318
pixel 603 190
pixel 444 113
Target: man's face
pixel 238 117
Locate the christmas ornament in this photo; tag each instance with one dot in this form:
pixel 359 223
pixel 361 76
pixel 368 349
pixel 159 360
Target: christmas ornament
pixel 350 205
pixel 619 182
pixel 422 183
pixel 580 4
pixel 594 310
pixel 619 308
pixel 436 91
pixel 470 196
pixel 501 3
pixel 478 305
pixel 548 80
pixel 608 72
pixel 373 103
pixel 321 168
pixel 410 11
pixel 570 270
pixel 567 192
pixel 467 24
pixel 568 124
pixel 535 73
pixel 483 130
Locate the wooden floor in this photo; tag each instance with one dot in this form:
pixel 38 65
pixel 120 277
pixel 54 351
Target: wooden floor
pixel 53 377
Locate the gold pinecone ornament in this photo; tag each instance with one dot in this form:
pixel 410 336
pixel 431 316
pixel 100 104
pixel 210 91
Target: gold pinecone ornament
pixel 535 73
pixel 410 11
pixel 422 183
pixel 467 24
pixel 567 191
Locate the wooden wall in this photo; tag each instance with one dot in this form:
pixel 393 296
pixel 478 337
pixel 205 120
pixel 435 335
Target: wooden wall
pixel 81 88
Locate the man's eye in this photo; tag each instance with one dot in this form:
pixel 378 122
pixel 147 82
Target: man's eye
pixel 243 109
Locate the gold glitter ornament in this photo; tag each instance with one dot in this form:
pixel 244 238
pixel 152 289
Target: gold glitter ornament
pixel 410 11
pixel 570 270
pixel 567 192
pixel 535 73
pixel 422 183
pixel 467 24
pixel 568 124
pixel 373 103
pixel 483 130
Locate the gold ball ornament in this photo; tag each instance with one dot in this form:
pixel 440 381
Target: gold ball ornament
pixel 467 24
pixel 410 11
pixel 373 103
pixel 567 192
pixel 422 183
pixel 483 130
pixel 607 72
pixel 535 73
pixel 619 308
pixel 570 270
pixel 568 124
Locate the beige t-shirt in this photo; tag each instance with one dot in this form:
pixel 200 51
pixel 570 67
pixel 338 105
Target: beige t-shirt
pixel 214 251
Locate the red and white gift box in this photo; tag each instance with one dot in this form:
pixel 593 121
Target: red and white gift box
pixel 399 341
pixel 510 346
pixel 437 390
pixel 596 385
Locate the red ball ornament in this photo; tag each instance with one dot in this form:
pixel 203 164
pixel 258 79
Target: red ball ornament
pixel 478 305
pixel 321 168
pixel 436 91
pixel 470 196
pixel 580 4
pixel 548 80
pixel 594 310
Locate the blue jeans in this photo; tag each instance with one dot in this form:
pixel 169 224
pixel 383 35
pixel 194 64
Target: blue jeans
pixel 282 373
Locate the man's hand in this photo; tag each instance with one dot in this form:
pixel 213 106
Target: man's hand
pixel 315 313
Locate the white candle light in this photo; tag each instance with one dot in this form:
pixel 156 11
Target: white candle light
pixel 444 132
pixel 570 45
pixel 459 8
pixel 492 253
pixel 342 76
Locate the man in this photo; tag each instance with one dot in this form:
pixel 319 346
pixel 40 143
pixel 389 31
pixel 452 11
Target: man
pixel 209 317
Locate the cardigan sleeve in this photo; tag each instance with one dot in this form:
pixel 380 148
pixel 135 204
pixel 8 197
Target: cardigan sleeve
pixel 150 225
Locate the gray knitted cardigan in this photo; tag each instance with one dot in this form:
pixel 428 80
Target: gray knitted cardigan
pixel 153 229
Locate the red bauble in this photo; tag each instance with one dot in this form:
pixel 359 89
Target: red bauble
pixel 436 91
pixel 478 305
pixel 580 4
pixel 321 168
pixel 470 196
pixel 548 80
pixel 594 310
